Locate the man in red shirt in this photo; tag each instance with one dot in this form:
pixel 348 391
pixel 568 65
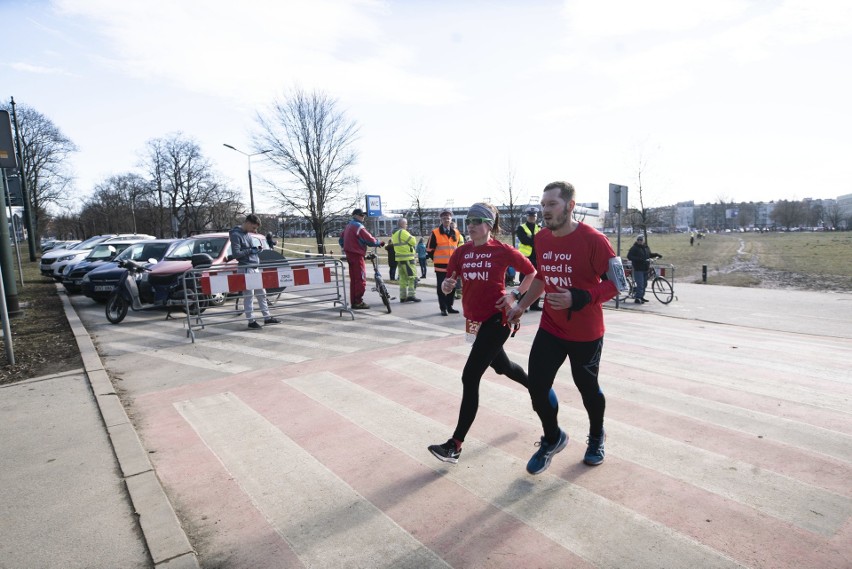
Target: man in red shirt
pixel 355 239
pixel 578 271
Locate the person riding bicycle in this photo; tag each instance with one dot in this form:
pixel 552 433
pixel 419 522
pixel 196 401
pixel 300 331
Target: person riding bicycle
pixel 640 256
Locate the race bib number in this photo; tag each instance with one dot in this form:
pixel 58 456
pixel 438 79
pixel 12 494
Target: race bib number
pixel 471 329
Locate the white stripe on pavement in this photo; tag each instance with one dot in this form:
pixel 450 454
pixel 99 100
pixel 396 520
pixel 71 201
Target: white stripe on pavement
pixel 568 514
pixel 324 520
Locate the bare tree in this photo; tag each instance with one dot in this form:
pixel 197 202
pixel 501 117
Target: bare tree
pixel 45 150
pixel 514 209
pixel 417 210
pixel 788 213
pixel 641 217
pixel 312 143
pixel 182 179
pixel 833 216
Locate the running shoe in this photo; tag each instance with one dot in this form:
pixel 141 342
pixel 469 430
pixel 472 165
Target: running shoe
pixel 447 452
pixel 541 459
pixel 595 450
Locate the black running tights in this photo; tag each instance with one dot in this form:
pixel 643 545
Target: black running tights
pixel 487 350
pixel 547 355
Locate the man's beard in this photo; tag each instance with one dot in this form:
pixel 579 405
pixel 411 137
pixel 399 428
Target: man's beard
pixel 559 222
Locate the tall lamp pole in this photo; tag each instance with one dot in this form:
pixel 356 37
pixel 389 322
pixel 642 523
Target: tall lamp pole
pixel 247 155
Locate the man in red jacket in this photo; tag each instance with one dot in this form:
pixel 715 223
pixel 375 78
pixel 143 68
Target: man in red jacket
pixel 355 239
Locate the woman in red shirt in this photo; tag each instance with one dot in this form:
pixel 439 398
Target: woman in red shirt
pixel 482 263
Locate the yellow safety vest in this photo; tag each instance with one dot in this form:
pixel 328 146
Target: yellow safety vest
pixel 526 250
pixel 403 245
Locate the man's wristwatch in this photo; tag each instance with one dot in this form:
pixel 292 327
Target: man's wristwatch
pixel 517 294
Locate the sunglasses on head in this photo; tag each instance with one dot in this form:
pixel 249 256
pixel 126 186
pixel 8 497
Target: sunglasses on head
pixel 477 220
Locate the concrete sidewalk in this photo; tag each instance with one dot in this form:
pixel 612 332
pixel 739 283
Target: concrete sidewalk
pixel 76 486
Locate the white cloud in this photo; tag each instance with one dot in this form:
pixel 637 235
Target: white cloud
pixel 252 50
pixel 37 69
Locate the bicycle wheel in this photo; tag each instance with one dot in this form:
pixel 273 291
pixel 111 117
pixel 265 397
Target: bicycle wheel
pixel 383 292
pixel 662 289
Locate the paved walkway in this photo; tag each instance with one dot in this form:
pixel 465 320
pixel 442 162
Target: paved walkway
pixel 730 444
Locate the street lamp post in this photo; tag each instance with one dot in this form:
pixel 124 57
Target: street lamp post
pixel 247 155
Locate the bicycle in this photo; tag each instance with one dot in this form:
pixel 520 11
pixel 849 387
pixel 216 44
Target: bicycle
pixel 379 285
pixel 661 287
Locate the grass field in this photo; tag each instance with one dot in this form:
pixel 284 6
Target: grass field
pixel 801 260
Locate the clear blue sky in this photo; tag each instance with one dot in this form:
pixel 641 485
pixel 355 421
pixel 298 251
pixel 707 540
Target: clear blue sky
pixel 733 99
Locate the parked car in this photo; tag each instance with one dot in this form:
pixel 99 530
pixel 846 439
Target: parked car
pixel 98 283
pixel 103 253
pixel 49 259
pixel 217 245
pixel 52 244
pixel 74 257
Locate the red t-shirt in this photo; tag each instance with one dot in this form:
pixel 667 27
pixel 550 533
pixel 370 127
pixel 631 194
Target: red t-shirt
pixel 576 260
pixel 483 273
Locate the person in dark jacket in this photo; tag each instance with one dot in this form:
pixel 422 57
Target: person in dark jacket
pixel 640 257
pixel 245 252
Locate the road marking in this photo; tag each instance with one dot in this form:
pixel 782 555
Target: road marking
pixel 568 514
pixel 796 502
pixel 324 520
pixel 183 359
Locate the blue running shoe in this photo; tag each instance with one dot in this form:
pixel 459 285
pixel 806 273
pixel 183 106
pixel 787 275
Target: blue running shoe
pixel 595 450
pixel 541 459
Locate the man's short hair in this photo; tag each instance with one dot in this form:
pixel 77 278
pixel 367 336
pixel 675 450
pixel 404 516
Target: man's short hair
pixel 252 218
pixel 566 190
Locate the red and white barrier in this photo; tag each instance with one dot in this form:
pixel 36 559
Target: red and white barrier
pixel 231 281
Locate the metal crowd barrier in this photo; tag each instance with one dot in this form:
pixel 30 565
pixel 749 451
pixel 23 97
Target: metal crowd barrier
pixel 219 289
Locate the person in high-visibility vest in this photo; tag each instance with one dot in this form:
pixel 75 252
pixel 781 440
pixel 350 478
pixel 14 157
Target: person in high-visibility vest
pixel 443 241
pixel 404 244
pixel 526 243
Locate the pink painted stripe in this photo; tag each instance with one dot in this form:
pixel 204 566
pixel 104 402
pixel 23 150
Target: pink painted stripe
pixel 219 518
pixel 445 517
pixel 775 406
pixel 649 493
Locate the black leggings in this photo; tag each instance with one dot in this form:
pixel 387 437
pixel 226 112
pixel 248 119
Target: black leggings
pixel 547 355
pixel 487 350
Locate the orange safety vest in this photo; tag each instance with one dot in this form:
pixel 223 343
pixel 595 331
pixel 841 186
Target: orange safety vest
pixel 444 248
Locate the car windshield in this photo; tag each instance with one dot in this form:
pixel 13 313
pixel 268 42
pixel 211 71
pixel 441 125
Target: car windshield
pixel 186 249
pixel 103 251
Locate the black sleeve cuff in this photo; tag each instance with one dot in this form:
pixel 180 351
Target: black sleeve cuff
pixel 579 298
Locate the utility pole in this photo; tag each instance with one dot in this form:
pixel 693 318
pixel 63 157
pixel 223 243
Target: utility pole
pixel 28 220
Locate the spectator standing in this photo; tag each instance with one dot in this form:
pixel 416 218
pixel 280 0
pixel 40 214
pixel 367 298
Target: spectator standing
pixel 577 269
pixel 422 257
pixel 391 262
pixel 443 241
pixel 354 242
pixel 403 244
pixel 482 264
pixel 526 233
pixel 640 257
pixel 246 254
